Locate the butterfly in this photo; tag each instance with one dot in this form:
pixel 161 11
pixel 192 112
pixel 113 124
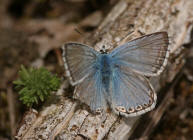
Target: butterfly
pixel 118 78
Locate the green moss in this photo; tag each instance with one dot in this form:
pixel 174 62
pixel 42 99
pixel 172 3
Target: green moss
pixel 35 85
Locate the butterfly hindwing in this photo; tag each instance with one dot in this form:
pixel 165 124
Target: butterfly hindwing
pixel 131 94
pixel 91 92
pixel 146 55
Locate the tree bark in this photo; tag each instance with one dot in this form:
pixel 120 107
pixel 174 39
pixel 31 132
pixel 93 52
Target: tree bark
pixel 63 120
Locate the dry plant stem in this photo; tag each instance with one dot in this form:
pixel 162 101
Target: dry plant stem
pixel 60 122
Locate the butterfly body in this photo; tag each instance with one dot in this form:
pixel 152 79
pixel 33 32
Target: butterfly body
pixel 117 78
pixel 105 70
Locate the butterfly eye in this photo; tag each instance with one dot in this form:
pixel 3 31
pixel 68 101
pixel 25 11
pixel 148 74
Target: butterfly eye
pixel 103 50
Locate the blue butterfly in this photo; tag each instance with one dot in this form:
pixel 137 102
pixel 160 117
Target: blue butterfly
pixel 118 78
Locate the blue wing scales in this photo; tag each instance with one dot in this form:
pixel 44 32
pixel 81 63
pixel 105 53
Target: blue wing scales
pixel 146 55
pixel 131 94
pixel 91 92
pixel 78 61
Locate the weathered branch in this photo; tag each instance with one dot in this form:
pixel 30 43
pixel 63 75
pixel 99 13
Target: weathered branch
pixel 63 121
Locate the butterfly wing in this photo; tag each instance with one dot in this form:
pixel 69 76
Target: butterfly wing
pixel 131 94
pixel 91 92
pixel 78 61
pixel 146 55
pixel 80 64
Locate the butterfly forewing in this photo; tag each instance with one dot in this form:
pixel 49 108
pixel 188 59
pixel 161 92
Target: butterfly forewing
pixel 78 61
pixel 146 55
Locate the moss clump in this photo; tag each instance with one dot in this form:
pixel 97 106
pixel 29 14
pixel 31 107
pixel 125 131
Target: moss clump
pixel 35 85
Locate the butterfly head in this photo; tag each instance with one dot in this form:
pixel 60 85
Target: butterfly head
pixel 103 50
